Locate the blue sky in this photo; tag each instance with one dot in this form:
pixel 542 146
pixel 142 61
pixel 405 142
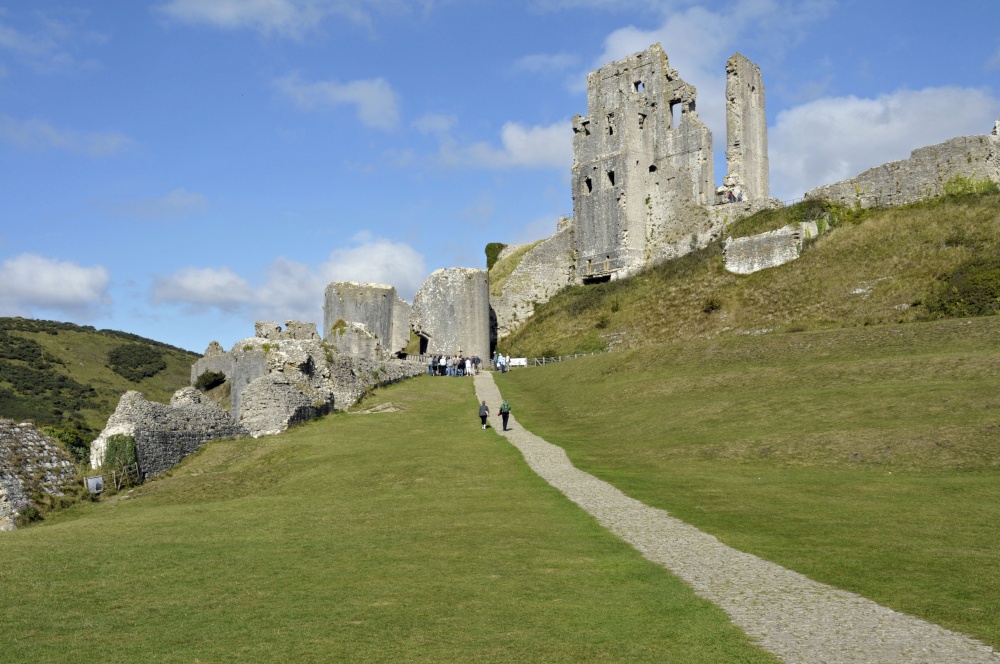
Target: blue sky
pixel 181 168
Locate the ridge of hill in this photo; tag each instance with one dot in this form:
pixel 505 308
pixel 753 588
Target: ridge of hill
pixel 68 378
pixel 926 260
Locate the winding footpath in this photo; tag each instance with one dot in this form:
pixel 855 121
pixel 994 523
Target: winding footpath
pixel 797 619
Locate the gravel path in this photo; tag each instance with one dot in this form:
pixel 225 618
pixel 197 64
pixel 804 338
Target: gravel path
pixel 797 619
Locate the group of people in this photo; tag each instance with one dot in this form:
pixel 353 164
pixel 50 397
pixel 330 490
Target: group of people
pixel 453 365
pixel 503 412
pixel 501 362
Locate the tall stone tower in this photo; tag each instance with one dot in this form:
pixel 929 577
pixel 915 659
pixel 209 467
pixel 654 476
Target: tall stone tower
pixel 746 130
pixel 641 159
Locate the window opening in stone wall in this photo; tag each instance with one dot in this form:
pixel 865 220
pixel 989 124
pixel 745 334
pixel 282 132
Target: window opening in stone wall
pixel 590 266
pixel 611 125
pixel 673 114
pixel 611 177
pixel 642 120
pixel 586 128
pixel 639 87
pixel 652 168
pixel 588 185
pixel 607 263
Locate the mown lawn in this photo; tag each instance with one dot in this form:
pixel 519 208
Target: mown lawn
pixel 867 458
pixel 399 536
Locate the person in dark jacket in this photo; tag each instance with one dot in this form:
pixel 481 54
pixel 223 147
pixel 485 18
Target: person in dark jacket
pixel 484 412
pixel 504 412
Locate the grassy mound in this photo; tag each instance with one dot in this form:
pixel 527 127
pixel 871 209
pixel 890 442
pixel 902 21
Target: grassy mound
pixel 864 457
pixel 397 536
pixel 871 268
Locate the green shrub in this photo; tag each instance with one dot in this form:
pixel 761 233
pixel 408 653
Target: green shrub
pixel 963 186
pixel 136 361
pixel 493 250
pixel 76 441
pixel 210 379
pixel 27 512
pixel 973 289
pixel 120 451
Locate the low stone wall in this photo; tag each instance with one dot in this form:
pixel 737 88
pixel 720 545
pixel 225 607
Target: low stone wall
pixel 30 462
pixel 165 434
pixel 922 176
pixel 746 255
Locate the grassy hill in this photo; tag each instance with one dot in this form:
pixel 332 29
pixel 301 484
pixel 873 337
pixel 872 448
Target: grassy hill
pixel 918 262
pixel 866 457
pixel 393 537
pixel 68 378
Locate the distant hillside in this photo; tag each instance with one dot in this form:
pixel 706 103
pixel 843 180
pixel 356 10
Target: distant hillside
pixel 928 260
pixel 68 378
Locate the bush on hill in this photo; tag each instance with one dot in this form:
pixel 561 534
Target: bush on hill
pixel 136 361
pixel 210 379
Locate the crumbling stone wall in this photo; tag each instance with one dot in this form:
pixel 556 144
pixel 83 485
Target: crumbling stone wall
pixel 30 462
pixel 376 306
pixel 165 434
pixel 922 176
pixel 746 130
pixel 543 271
pixel 452 311
pixel 746 255
pixel 278 379
pixel 641 158
pixel 216 360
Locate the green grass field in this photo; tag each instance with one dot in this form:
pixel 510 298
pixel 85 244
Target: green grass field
pixel 400 536
pixel 867 458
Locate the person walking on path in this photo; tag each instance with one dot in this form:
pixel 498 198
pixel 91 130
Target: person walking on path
pixel 504 412
pixel 484 412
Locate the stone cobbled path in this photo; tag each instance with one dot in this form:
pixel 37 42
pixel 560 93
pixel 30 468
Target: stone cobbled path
pixel 797 619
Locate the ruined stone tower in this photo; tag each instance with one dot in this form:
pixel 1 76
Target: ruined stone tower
pixel 746 130
pixel 641 160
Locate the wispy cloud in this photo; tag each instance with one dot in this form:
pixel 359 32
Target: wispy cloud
pixel 376 103
pixel 537 146
pixel 38 135
pixel 293 290
pixel 547 62
pixel 173 205
pixel 51 44
pixel 284 18
pixel 833 139
pixel 993 64
pixel 32 284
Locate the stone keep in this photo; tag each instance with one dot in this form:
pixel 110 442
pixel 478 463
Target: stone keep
pixel 452 312
pixel 377 307
pixel 746 130
pixel 641 159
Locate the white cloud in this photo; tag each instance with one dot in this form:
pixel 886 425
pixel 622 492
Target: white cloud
pixel 287 18
pixel 30 283
pixel 292 290
pixel 174 205
pixel 548 146
pixel 38 135
pixel 376 103
pixel 993 64
pixel 48 47
pixel 547 62
pixel 828 140
pixel 220 288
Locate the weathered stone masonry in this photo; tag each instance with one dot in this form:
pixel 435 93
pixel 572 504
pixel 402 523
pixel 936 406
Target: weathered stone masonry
pixel 30 462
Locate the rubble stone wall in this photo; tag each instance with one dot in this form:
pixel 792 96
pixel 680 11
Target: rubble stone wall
pixel 165 434
pixel 30 462
pixel 920 177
